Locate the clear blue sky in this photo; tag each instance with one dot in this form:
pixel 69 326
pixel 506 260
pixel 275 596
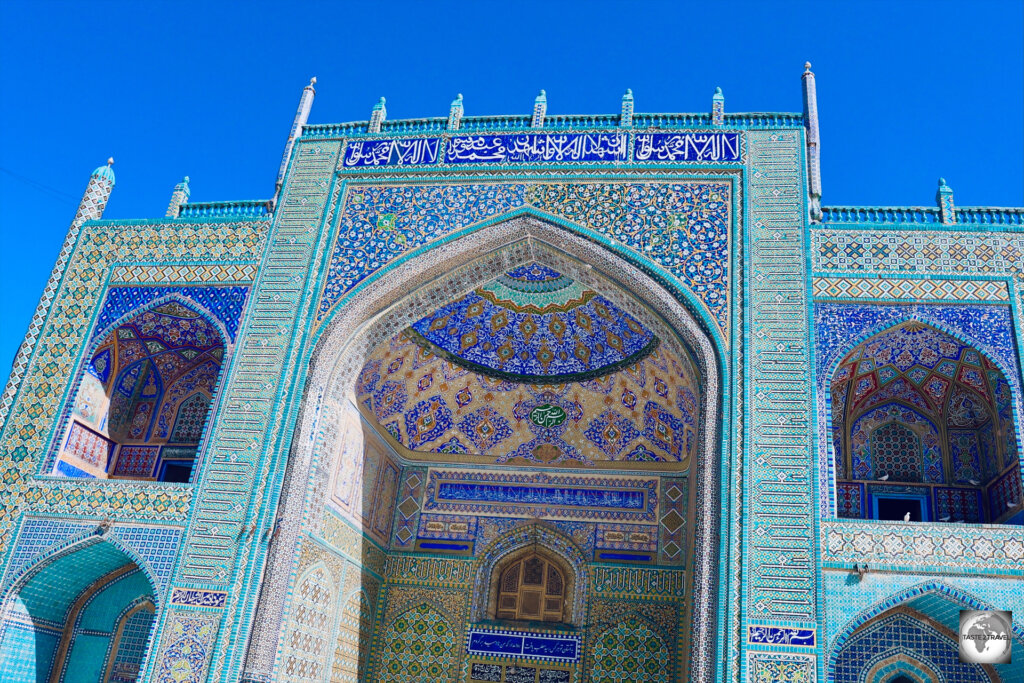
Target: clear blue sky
pixel 908 91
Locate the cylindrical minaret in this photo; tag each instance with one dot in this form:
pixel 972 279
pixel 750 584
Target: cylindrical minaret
pixel 179 198
pixel 813 144
pixel 301 116
pixel 94 201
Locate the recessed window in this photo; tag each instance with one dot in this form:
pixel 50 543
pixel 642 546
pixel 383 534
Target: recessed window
pixel 531 589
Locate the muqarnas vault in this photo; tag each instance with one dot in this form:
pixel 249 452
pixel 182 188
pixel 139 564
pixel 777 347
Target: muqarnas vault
pixel 521 399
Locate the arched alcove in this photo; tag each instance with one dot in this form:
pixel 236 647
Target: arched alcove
pixel 914 633
pixel 143 397
pixel 335 436
pixel 922 426
pixel 84 612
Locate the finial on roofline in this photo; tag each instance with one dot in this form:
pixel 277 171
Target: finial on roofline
pixel 626 112
pixel 110 161
pixel 301 116
pixel 944 198
pixel 718 108
pixel 813 142
pixel 540 110
pixel 455 113
pixel 377 116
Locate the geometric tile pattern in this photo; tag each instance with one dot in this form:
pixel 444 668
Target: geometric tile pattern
pixel 912 290
pixel 535 325
pixel 900 633
pixel 647 411
pixel 183 274
pixel 946 546
pixel 379 224
pixel 226 303
pixel 418 645
pixel 630 651
pixel 185 648
pixel 765 667
pixel 780 537
pixel 934 380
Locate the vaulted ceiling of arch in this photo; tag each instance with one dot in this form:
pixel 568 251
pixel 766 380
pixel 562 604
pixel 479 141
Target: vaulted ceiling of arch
pixel 174 337
pixel 149 365
pixel 534 367
pixel 922 367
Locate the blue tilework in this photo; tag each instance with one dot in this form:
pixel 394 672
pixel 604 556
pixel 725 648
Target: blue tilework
pixel 26 653
pixel 535 325
pixel 39 534
pixel 226 303
pixel 684 227
pixel 899 634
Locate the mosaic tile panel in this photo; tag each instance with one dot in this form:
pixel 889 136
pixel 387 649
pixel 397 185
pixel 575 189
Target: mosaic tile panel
pixel 902 634
pixel 914 290
pixel 764 667
pixel 923 545
pixel 542 495
pixel 180 274
pixel 418 644
pixel 630 651
pixel 780 542
pixel 185 648
pixel 645 412
pixel 226 303
pixel 378 224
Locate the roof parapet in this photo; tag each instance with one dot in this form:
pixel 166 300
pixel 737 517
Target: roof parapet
pixel 246 208
pixel 921 215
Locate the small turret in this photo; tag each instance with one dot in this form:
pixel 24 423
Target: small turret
pixel 626 113
pixel 96 196
pixel 718 108
pixel 94 201
pixel 377 116
pixel 301 116
pixel 179 198
pixel 944 198
pixel 540 110
pixel 455 113
pixel 813 144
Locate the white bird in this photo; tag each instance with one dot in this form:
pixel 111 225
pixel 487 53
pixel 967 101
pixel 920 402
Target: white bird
pixel 884 477
pixel 906 517
pixel 974 482
pixel 1011 504
pixel 946 518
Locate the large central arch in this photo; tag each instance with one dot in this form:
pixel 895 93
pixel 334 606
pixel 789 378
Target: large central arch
pixel 413 286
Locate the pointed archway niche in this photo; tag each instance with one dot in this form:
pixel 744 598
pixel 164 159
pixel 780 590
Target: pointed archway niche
pixel 347 464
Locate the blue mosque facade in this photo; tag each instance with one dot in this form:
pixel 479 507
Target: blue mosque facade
pixel 520 399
